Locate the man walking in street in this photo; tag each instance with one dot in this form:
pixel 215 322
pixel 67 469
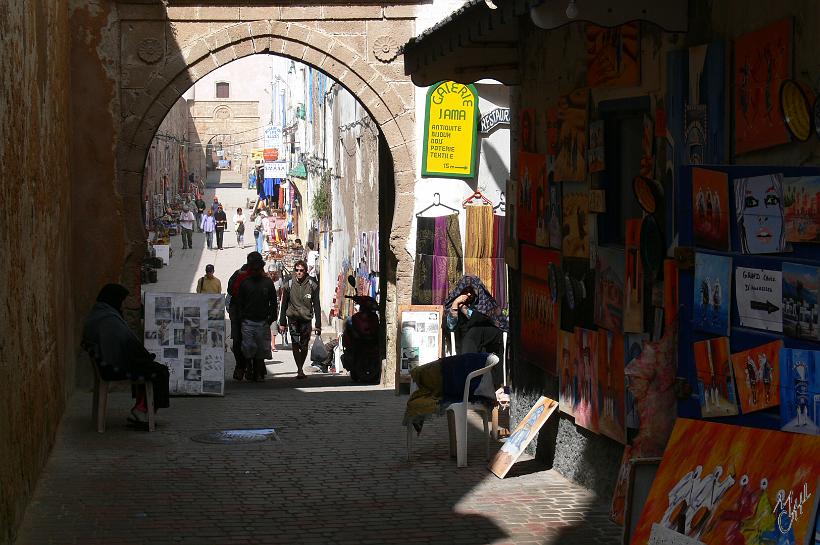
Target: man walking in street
pixel 186 223
pixel 209 283
pixel 200 209
pixel 221 221
pixel 215 206
pixel 236 322
pixel 256 307
pixel 300 305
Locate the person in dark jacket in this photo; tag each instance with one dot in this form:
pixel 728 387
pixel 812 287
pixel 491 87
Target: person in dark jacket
pixel 120 354
pixel 221 220
pixel 236 325
pixel 300 305
pixel 256 307
pixel 200 209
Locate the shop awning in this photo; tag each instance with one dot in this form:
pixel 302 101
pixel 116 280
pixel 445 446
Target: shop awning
pixel 478 42
pixel 299 171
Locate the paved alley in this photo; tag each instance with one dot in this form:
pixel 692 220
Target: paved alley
pixel 338 473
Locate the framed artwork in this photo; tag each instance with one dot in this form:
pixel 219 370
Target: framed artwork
pixel 609 288
pixel 576 225
pixel 571 161
pixel 716 385
pixel 613 55
pixel 586 371
pixel 801 201
pixel 763 60
pixel 759 211
pixel 757 372
pixel 713 288
pixel 611 385
pixel 532 181
pixel 539 307
pixel 800 391
pixel 526 430
pixel 710 204
pixel 800 304
pixel 717 484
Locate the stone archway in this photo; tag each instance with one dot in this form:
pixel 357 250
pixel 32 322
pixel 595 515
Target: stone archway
pixel 144 108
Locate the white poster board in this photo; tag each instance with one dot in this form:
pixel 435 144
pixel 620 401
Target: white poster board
pixel 186 331
pixel 759 294
pixel 420 340
pixel 163 251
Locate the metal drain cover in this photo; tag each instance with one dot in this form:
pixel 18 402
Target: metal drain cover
pixel 230 437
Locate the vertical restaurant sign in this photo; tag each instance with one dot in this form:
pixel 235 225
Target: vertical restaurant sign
pixel 450 121
pixel 273 143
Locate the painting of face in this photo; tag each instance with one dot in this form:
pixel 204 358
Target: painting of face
pixel 759 205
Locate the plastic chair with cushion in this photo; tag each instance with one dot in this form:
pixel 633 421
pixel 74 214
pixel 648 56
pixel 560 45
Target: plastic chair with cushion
pixel 457 416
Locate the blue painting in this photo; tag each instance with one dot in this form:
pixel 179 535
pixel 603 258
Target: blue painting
pixel 800 391
pixel 713 290
pixel 801 286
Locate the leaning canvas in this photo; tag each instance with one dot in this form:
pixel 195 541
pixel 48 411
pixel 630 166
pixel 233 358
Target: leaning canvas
pixel 800 391
pixel 716 385
pixel 713 289
pixel 757 372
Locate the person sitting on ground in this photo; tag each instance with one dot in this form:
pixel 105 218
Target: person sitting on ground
pixel 256 306
pixel 209 283
pixel 120 354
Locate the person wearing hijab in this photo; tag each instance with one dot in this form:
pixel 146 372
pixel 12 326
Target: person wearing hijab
pixel 121 355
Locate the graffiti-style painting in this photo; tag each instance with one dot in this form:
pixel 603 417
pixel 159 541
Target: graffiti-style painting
pixel 609 289
pixel 800 391
pixel 566 371
pixel 763 60
pixel 757 373
pixel 576 219
pixel 586 371
pixel 759 210
pixel 532 175
pixel 716 385
pixel 800 298
pixel 613 55
pixel 571 161
pixel 528 130
pixel 633 293
pixel 539 308
pixel 801 200
pixel 713 289
pixel 611 385
pixel 596 146
pixel 720 485
pixel 710 204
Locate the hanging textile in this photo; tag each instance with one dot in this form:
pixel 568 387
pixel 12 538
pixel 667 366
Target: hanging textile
pixel 439 259
pixel 479 254
pixel 499 264
pixel 423 271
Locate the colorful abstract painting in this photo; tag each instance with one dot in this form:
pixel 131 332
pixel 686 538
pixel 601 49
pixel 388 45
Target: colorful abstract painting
pixel 710 206
pixel 713 289
pixel 633 294
pixel 586 410
pixel 800 391
pixel 609 288
pixel 566 371
pixel 716 385
pixel 757 373
pixel 720 484
pixel 571 161
pixel 763 60
pixel 576 219
pixel 800 301
pixel 613 55
pixel 759 211
pixel 801 201
pixel 532 179
pixel 539 310
pixel 611 385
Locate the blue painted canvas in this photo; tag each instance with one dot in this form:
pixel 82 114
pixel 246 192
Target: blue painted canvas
pixel 800 391
pixel 713 291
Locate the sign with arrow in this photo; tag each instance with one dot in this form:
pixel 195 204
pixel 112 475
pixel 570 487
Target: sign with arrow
pixel 759 294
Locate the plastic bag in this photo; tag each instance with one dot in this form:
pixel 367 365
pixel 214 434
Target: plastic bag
pixel 318 352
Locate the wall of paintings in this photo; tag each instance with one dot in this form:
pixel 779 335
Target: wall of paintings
pixel 187 333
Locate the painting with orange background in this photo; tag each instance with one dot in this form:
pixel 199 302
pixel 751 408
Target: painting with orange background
pixel 613 55
pixel 611 385
pixel 730 485
pixel 571 161
pixel 710 209
pixel 716 388
pixel 757 373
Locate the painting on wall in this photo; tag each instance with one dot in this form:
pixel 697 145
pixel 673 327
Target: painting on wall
pixel 542 212
pixel 800 391
pixel 717 484
pixel 556 220
pixel 800 300
pixel 597 161
pixel 763 60
pixel 609 288
pixel 759 212
pixel 613 55
pixel 696 134
pixel 801 201
pixel 633 347
pixel 633 294
pixel 586 371
pixel 539 310
pixel 566 371
pixel 716 385
pixel 713 288
pixel 532 173
pixel 710 203
pixel 527 129
pixel 757 372
pixel 611 385
pixel 576 219
pixel 552 131
pixel 571 161
pixel 578 291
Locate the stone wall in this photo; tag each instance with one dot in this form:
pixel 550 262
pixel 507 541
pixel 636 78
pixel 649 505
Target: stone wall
pixel 166 169
pixel 238 120
pixel 36 356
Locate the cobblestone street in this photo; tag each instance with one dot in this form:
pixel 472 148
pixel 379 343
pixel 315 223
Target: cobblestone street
pixel 338 474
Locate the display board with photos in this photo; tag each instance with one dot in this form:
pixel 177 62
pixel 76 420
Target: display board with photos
pixel 420 337
pixel 186 331
pixel 750 336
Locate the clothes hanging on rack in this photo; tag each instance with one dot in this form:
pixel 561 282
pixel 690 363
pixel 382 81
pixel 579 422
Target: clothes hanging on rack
pixel 439 259
pixel 478 254
pixel 499 264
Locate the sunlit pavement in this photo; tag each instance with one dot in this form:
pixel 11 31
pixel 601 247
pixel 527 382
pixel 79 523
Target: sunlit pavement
pixel 338 474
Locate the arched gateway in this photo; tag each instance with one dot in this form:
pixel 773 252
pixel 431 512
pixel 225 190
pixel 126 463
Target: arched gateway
pixel 165 49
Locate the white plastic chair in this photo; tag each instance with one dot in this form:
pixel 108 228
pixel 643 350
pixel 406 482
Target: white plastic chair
pixel 457 416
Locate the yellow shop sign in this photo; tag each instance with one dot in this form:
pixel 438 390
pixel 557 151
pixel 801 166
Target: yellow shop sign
pixel 450 122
